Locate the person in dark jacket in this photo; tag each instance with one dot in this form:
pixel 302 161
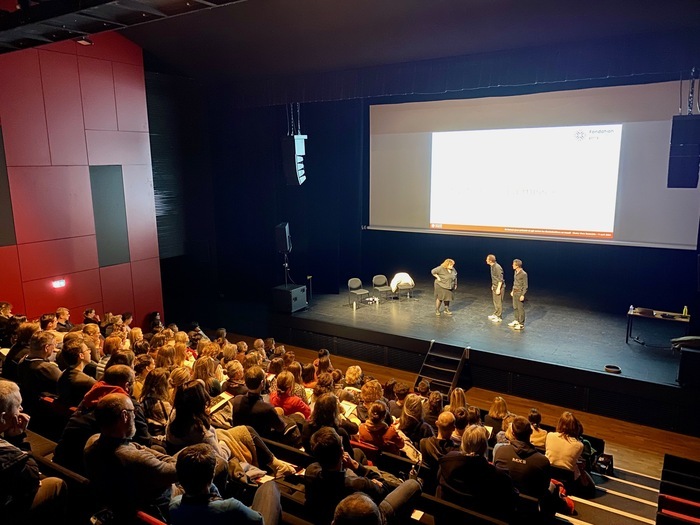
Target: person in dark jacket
pixel 25 495
pixel 467 479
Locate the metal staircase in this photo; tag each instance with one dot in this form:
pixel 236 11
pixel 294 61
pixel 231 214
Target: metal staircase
pixel 442 367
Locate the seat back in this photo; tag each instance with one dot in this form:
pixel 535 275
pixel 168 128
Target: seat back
pixel 379 280
pixel 354 283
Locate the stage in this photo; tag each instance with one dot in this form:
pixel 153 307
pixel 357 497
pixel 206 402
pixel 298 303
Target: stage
pixel 560 356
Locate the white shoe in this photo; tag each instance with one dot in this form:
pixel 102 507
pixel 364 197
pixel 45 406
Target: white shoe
pixel 519 326
pixel 513 323
pixel 496 319
pixel 493 317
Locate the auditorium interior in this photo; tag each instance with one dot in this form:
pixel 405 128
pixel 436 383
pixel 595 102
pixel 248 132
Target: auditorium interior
pixel 146 166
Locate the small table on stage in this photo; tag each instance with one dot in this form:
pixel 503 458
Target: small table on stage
pixel 648 313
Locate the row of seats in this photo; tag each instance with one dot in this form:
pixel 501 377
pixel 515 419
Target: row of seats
pixel 380 287
pixel 679 492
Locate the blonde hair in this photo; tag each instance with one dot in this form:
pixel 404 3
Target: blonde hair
pixel 447 263
pixel 499 408
pixel 458 398
pixel 353 375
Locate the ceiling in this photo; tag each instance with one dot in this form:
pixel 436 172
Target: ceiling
pixel 224 40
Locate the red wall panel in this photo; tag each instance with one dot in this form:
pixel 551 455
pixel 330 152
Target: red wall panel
pixel 64 109
pixel 81 288
pixel 118 147
pixel 22 110
pixel 49 258
pixel 51 202
pixel 114 47
pixel 69 47
pixel 97 91
pixel 130 91
pixel 117 290
pixel 147 291
pixel 10 279
pixel 140 212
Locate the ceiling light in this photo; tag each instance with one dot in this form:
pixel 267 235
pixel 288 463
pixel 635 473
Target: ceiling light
pixel 85 41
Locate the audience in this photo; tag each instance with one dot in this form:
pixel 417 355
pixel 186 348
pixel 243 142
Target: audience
pixel 377 432
pixel 539 435
pixel 35 372
pixel 435 447
pixel 494 418
pixel 284 397
pixel 250 408
pixel 411 422
pixel 73 383
pixel 401 390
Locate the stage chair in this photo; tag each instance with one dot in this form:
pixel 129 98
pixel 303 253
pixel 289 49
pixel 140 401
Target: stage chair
pixel 355 291
pixel 380 285
pixel 402 282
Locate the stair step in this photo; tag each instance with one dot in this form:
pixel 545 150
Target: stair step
pixel 445 355
pixel 442 368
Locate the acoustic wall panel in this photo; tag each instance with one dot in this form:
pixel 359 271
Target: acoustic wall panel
pixel 80 288
pixel 147 290
pixel 140 212
pixel 130 92
pixel 7 222
pixel 117 289
pixel 97 92
pixel 64 109
pixel 48 258
pixel 22 109
pixel 51 202
pixel 11 278
pixel 109 211
pixel 118 147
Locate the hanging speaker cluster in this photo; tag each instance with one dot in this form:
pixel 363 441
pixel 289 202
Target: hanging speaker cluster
pixel 293 151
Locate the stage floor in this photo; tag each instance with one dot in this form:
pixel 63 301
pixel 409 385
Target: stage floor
pixel 558 331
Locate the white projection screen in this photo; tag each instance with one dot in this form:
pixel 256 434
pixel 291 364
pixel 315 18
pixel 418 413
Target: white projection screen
pixel 587 165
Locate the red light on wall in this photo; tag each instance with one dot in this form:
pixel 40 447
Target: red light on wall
pixel 60 283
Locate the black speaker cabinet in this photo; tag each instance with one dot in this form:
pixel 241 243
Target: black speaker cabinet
pixel 289 298
pixel 689 368
pixel 282 238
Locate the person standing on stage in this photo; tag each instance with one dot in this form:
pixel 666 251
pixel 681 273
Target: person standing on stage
pixel 498 288
pixel 518 295
pixel 445 283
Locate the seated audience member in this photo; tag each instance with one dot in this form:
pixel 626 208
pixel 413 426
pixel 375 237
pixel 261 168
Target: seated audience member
pixel 220 337
pixel 401 390
pixel 423 390
pixel 178 377
pixel 18 350
pixel 235 384
pixel 283 397
pixel 458 398
pixel 121 357
pixel 462 422
pixel 505 436
pixel 26 497
pixel 564 449
pixel 126 476
pixel 324 366
pixel 324 385
pixel 411 422
pixel 336 475
pixel 270 346
pixel 467 479
pixel 357 509
pixel 36 373
pixel 63 323
pixel 528 468
pixel 5 323
pixel 195 499
pixel 143 364
pixel 494 419
pixel 48 323
pixel 435 447
pixel 299 390
pixel 250 408
pixel 111 345
pixel 82 424
pixel 288 358
pixel 275 367
pixel 308 376
pixel 323 352
pixel 433 408
pixel 155 399
pixel 73 383
pixel 371 392
pixel 326 413
pixel 539 435
pixel 259 346
pixel 377 432
pixel 208 370
pixel 353 377
pixel 90 316
pixel 389 390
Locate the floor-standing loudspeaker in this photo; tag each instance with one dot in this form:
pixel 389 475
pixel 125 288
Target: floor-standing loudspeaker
pixel 289 298
pixel 282 238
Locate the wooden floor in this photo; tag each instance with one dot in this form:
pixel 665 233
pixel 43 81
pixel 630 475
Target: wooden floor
pixel 634 447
